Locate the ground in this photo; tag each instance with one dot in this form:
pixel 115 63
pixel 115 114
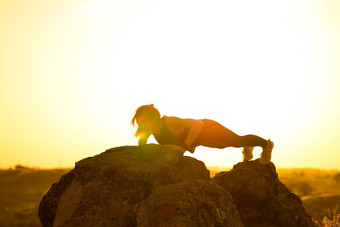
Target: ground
pixel 21 190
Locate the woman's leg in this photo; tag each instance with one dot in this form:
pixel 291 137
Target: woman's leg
pixel 246 141
pixel 215 135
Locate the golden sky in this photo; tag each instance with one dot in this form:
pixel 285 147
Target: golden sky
pixel 72 74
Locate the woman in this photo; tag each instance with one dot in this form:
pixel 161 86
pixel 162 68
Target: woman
pixel 190 133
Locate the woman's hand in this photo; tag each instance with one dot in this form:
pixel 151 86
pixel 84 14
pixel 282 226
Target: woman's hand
pixel 143 138
pixel 188 148
pixel 195 129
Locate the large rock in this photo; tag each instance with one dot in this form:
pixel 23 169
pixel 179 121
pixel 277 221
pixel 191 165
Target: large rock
pixel 191 203
pixel 122 185
pixel 155 185
pixel 261 198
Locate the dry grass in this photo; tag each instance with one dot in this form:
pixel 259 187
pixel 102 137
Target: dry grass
pixel 21 190
pixel 334 221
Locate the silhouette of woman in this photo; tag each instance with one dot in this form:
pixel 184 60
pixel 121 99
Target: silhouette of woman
pixel 190 133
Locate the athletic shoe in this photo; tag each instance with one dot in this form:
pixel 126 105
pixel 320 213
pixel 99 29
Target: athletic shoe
pixel 247 153
pixel 267 153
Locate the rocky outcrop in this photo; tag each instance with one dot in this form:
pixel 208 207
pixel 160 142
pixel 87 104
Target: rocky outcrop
pixel 261 198
pixel 155 185
pixel 138 186
pixel 191 203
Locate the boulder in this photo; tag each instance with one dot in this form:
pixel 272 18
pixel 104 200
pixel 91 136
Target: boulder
pixel 261 198
pixel 191 203
pixel 155 185
pixel 121 185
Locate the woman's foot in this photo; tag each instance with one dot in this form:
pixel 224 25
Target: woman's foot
pixel 267 153
pixel 247 153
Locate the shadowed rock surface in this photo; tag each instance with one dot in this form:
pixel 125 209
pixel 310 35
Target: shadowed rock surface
pixel 119 186
pixel 261 198
pixel 155 185
pixel 191 203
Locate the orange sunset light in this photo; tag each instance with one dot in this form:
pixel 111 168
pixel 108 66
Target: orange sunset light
pixel 72 73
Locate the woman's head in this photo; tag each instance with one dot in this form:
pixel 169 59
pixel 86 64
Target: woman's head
pixel 147 117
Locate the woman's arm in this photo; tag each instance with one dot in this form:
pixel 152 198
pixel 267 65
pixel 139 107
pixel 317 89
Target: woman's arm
pixel 195 129
pixel 143 139
pixel 178 125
